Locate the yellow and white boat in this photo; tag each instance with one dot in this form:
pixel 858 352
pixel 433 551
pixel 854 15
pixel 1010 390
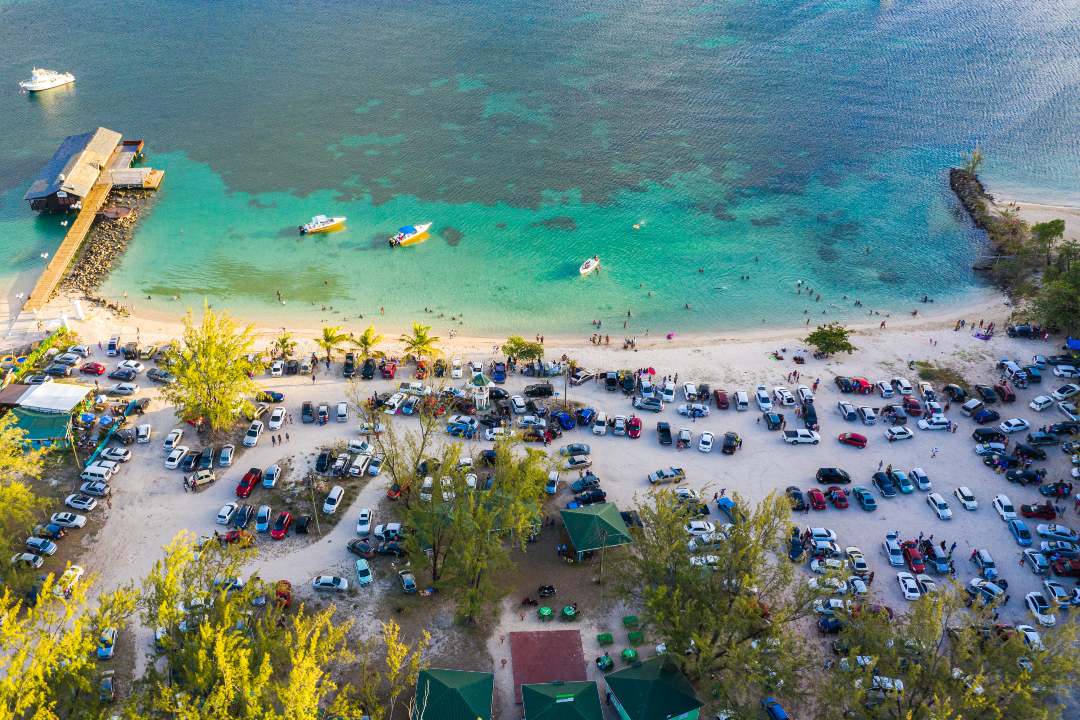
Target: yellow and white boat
pixel 321 224
pixel 410 235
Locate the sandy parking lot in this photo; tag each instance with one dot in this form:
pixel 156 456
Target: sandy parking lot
pixel 150 506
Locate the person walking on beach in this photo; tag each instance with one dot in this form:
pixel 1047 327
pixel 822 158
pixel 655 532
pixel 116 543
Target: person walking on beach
pixel 933 452
pixel 312 377
pixel 880 464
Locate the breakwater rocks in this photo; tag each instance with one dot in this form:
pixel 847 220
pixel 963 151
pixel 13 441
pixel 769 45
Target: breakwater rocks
pixel 105 243
pixel 1007 235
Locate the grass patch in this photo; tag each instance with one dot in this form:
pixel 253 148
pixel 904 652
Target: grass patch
pixel 940 375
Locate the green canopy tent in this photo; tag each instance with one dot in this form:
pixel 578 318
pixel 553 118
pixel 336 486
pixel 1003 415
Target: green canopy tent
pixel 453 695
pixel 594 527
pixel 653 690
pixel 43 429
pixel 561 701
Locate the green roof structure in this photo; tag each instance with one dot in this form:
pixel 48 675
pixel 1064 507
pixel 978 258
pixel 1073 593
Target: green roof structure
pixel 595 526
pixel 453 695
pixel 42 427
pixel 653 690
pixel 561 701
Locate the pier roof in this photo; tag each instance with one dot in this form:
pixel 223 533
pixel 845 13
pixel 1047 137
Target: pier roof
pixel 76 164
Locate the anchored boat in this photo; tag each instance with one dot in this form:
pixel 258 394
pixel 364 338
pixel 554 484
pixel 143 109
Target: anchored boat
pixel 590 265
pixel 42 79
pixel 321 224
pixel 410 235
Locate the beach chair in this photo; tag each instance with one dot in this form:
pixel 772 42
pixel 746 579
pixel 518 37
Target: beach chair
pixel 635 638
pixel 605 638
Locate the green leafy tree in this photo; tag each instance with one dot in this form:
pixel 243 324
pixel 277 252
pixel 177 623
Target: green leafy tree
pixel 1046 235
pixel 731 614
pixel 521 349
pixel 366 342
pixel 332 338
pixel 973 160
pixel 214 375
pixel 284 346
pixel 1057 302
pixel 831 339
pixel 21 506
pixel 421 343
pixel 955 662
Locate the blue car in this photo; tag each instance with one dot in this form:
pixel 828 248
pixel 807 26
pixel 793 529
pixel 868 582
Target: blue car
pixel 1020 532
pixel 865 499
pixel 552 486
pixel 585 416
pixel 460 430
pixel 773 709
pixel 270 396
pixel 903 482
pixel 498 372
pixel 986 415
pixel 566 422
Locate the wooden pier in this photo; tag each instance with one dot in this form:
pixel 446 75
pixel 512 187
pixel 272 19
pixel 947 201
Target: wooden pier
pixel 57 267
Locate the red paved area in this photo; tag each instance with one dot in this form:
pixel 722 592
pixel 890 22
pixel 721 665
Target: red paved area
pixel 544 656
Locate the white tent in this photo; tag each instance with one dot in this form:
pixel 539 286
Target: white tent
pixel 53 397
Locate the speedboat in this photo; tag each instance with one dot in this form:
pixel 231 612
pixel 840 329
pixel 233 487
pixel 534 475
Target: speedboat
pixel 590 265
pixel 410 235
pixel 321 224
pixel 42 79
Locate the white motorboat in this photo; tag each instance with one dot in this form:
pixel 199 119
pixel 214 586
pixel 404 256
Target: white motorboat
pixel 590 265
pixel 321 224
pixel 42 79
pixel 410 235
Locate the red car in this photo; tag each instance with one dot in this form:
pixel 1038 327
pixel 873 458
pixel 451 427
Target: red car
pixel 817 499
pixel 393 492
pixel 247 483
pixel 912 406
pixel 1044 511
pixel 389 371
pixel 633 427
pixel 93 368
pixel 852 439
pixel 913 557
pixel 721 399
pixel 862 386
pixel 1067 567
pixel 281 525
pixel 243 537
pixel 838 497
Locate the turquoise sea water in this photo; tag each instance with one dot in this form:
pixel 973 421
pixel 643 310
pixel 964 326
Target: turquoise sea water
pixel 787 141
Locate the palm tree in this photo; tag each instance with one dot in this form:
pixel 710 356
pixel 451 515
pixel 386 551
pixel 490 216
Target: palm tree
pixel 331 339
pixel 283 346
pixel 420 344
pixel 366 341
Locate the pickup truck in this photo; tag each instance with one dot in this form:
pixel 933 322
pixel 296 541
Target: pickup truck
pixel 667 475
pixel 663 431
pixel 684 438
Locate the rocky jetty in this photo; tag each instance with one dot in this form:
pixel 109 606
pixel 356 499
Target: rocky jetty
pixel 1006 262
pixel 105 244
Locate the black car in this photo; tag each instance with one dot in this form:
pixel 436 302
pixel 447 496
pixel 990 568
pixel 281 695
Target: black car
pixel 795 546
pixel 123 374
pixel 810 416
pixel 845 385
pixel 490 420
pixel 732 442
pixel 539 390
pixel 348 369
pixel 206 459
pixel 896 414
pixel 955 392
pixel 830 625
pixel 440 368
pixel 591 496
pixel 367 370
pixel 361 547
pixel 307 412
pixel 160 376
pixel 322 463
pixel 798 500
pixel 884 485
pixel 986 393
pixel 773 420
pixel 498 393
pixel 243 516
pixel 611 381
pixel 300 527
pixel 987 435
pixel 190 460
pixel 292 366
pixel 663 432
pixel 1041 438
pixel 1020 331
pixel 62 370
pixel 1064 428
pixel 1025 477
pixel 1027 452
pixel 833 476
pixel 999 460
pixel 391 548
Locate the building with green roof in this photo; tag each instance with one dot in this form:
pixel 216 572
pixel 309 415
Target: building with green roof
pixel 653 690
pixel 593 527
pixel 453 695
pixel 561 701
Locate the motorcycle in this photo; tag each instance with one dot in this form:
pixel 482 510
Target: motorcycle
pixel 546 591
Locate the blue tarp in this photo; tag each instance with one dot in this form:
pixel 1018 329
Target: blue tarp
pixel 407 229
pixel 1072 343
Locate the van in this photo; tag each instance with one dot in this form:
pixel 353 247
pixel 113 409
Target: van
pixel 985 563
pixel 359 465
pixel 742 401
pixel 342 411
pixel 96 472
pixel 114 346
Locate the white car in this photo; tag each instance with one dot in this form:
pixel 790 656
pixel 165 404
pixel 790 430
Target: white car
pixel 618 425
pixel 142 433
pixel 116 454
pixel 1069 410
pixel 225 457
pixel 1040 608
pixel 528 421
pixel 902 385
pixel 667 392
pixel 97 488
pixel 333 499
pixel 1066 371
pixel 1031 636
pixel 78 501
pixel 909 586
pixel 742 401
pixel 277 368
pixel 277 418
pixel 699 527
pixel 226 513
pixel 124 388
pixel 846 410
pixel 939 506
pixel 330 582
pixel 926 584
pixel 867 415
pixel 966 498
pixel 135 365
pixel 705 442
pixel 885 389
pixel 934 422
pixel 1066 391
pixel 1014 425
pixel 892 549
pixel 761 395
pixel 68 520
pixel 825 565
pixel 363 522
pixel 599 426
pixel 1040 402
pixel 455 369
pixel 517 404
pixel 821 533
pixel 783 396
pixel 172 461
pixel 689 391
pixel 1058 593
pixel 251 437
pixel 41 546
pixel 920 478
pixel 694 410
pixel 1004 507
pixel 172 439
pixel 801 436
pixel 806 395
pixel 899 432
